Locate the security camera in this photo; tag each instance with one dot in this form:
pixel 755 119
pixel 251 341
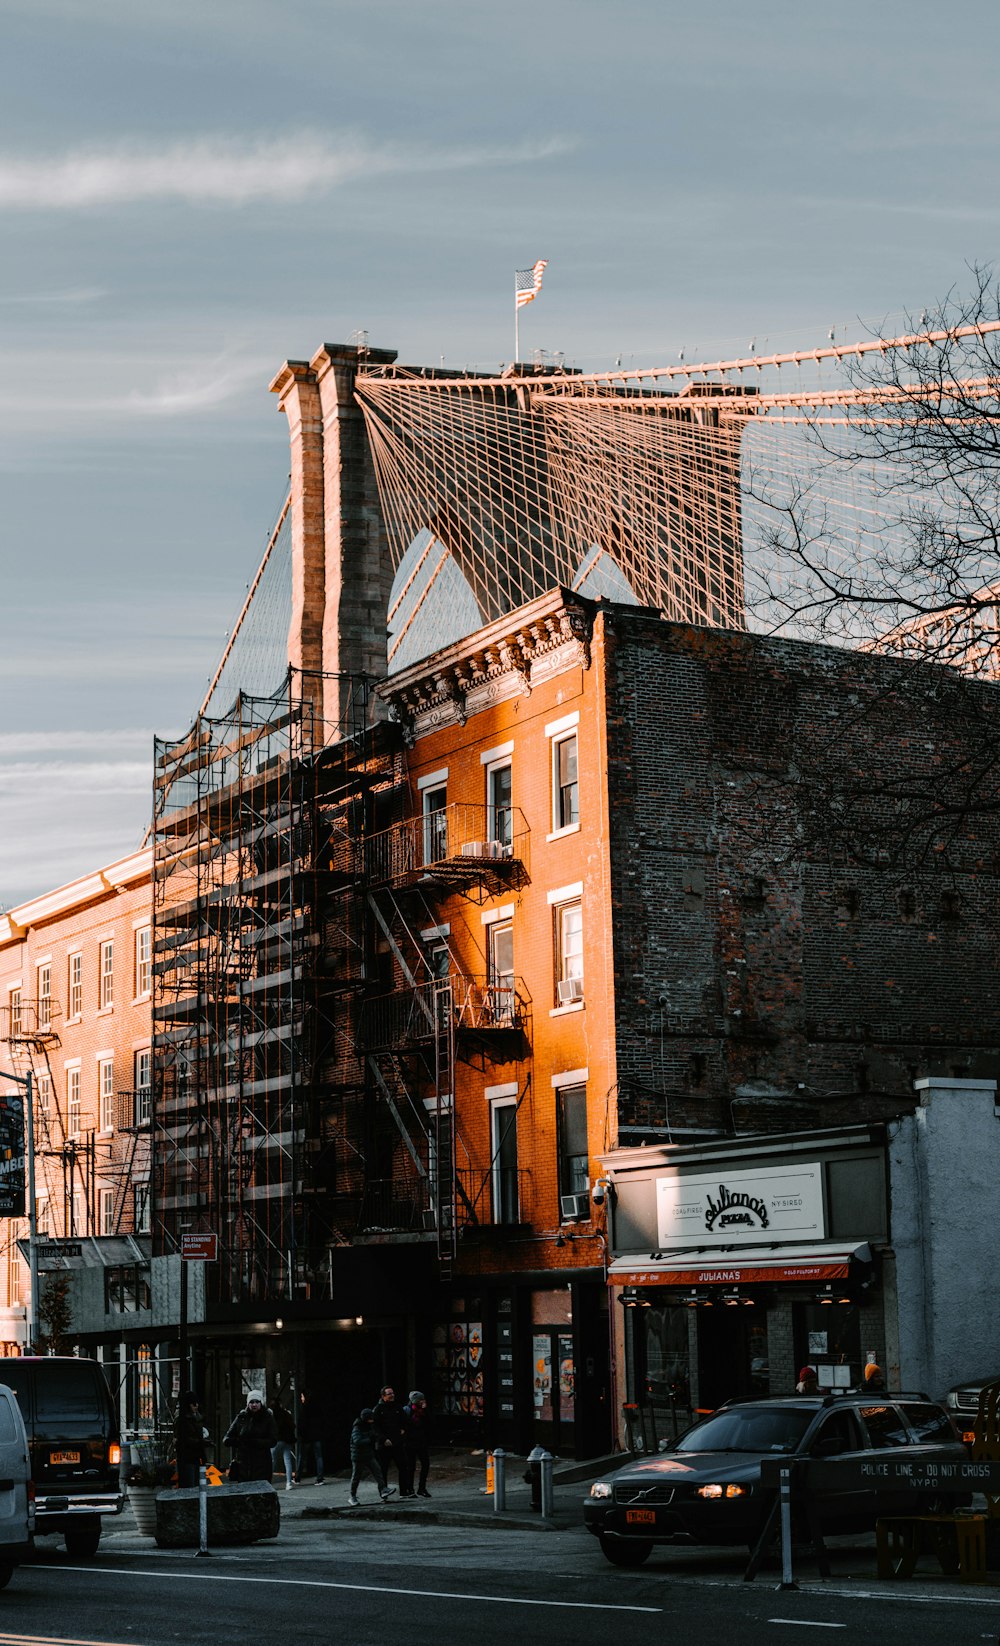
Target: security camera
pixel 598 1193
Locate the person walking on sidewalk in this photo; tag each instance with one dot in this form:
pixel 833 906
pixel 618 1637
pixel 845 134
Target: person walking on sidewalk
pixel 283 1456
pixel 416 1440
pixel 365 1458
pixel 252 1435
pixel 310 1437
pixel 191 1440
pixel 390 1429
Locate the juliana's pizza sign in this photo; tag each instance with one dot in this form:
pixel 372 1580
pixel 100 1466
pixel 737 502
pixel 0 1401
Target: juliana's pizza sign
pixel 733 1208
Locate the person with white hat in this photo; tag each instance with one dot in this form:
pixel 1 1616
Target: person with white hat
pixel 253 1435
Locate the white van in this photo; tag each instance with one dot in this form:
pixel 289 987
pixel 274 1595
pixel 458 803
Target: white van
pixel 17 1493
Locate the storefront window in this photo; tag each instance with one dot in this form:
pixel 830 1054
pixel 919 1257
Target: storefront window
pixel 828 1336
pixel 665 1368
pixel 458 1366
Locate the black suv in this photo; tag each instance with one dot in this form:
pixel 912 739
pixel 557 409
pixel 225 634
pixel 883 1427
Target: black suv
pixel 73 1443
pixel 707 1488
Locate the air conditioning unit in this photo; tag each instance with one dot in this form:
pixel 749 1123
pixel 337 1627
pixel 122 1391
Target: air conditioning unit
pixel 476 848
pixel 574 1208
pixel 569 989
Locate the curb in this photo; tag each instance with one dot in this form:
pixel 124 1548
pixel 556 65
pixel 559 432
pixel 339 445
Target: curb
pixel 432 1517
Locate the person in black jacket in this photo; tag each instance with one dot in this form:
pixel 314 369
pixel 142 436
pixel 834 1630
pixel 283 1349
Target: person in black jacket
pixel 191 1439
pixel 365 1457
pixel 310 1437
pixel 417 1447
pixel 253 1435
pixel 283 1456
pixel 390 1432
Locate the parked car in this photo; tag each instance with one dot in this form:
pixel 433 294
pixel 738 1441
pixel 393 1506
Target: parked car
pixel 17 1513
pixel 963 1403
pixel 73 1444
pixel 707 1488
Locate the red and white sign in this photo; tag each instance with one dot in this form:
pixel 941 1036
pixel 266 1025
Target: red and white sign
pixel 200 1248
pixel 737 1274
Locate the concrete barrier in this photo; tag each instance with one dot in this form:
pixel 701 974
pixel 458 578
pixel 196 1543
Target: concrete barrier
pixel 244 1512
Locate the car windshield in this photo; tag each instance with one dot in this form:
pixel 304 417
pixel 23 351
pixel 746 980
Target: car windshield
pixel 748 1429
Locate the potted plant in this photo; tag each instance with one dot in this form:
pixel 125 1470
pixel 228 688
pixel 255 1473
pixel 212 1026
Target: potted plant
pixel 149 1470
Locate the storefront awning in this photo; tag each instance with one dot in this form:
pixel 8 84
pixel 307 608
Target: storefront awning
pixel 751 1266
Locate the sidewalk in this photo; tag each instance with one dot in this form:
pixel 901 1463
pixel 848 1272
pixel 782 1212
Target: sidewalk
pixel 457 1484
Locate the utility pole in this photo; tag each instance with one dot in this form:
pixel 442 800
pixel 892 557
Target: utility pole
pixel 29 1139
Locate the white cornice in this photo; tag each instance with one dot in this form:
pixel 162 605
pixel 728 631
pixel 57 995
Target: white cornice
pixel 124 872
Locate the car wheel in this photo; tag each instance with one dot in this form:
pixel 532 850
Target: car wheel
pixel 6 1573
pixel 82 1541
pixel 621 1551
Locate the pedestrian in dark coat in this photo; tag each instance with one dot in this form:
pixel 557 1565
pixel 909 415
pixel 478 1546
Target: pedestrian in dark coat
pixel 253 1434
pixel 191 1440
pixel 417 1445
pixel 310 1437
pixel 365 1457
pixel 390 1430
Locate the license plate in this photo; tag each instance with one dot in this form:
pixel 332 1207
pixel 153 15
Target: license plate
pixel 640 1517
pixel 64 1457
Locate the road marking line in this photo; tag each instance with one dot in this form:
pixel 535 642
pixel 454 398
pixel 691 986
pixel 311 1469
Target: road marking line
pixel 353 1588
pixel 806 1623
pixel 50 1640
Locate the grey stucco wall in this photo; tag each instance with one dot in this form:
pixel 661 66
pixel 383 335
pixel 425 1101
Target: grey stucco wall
pixel 944 1177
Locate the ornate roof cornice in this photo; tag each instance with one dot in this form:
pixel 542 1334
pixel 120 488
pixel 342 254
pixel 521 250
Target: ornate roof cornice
pixel 506 659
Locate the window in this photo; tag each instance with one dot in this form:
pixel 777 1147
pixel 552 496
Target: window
pixel 106 1211
pixel 499 814
pixel 44 1087
pixel 500 970
pixel 565 782
pixel 74 985
pixel 72 1102
pixel 42 1214
pixel 15 1014
pixel 885 1426
pixel 933 1426
pixel 143 1085
pixel 839 1433
pixel 106 1092
pixel 107 993
pixel 503 1155
pixel 143 968
pixel 435 824
pixel 140 1208
pixel 573 1155
pixel 45 997
pixel 14 1277
pixel 569 952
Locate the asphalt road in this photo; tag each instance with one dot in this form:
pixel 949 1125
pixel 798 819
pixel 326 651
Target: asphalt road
pixel 427 1586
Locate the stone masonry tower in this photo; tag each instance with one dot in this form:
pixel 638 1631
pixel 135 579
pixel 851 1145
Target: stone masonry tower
pixel 341 571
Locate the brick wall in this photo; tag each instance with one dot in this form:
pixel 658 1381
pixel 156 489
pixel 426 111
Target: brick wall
pixel 764 980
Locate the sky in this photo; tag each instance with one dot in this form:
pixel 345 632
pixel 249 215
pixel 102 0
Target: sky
pixel 193 191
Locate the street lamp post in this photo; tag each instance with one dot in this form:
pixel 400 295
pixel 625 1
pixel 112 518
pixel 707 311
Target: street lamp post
pixel 29 1138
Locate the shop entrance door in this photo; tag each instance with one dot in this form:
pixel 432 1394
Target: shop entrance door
pixel 554 1385
pixel 732 1354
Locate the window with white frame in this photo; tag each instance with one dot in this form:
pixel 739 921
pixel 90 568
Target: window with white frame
pixel 44 997
pixel 503 1156
pixel 435 812
pixel 568 945
pixel 72 1102
pixel 15 1276
pixel 42 1214
pixel 143 1086
pixel 16 1016
pixel 140 1208
pixel 499 812
pixel 143 959
pixel 500 969
pixel 106 1093
pixel 107 990
pixel 106 1211
pixel 565 782
pixel 74 985
pixel 44 1089
pixel 571 1126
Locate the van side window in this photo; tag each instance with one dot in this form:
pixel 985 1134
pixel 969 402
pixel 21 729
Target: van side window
pixel 8 1428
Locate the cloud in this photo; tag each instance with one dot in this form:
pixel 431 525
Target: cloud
pixel 235 171
pixel 40 743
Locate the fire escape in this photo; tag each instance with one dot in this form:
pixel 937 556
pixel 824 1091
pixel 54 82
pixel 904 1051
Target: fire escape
pixel 436 1013
pixel 65 1156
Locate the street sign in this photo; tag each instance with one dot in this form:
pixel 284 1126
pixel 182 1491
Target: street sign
pixel 943 1473
pixel 200 1248
pixel 12 1158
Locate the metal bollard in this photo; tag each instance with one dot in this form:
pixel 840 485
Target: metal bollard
pixel 499 1480
pixel 535 1475
pixel 202 1511
pixel 545 1469
pixel 787 1574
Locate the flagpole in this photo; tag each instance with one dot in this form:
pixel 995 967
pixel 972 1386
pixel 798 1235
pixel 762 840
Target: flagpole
pixel 517 316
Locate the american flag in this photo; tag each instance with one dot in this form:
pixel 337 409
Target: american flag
pixel 528 283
